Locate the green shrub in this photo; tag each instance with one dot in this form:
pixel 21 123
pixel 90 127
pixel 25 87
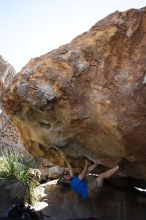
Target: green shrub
pixel 15 177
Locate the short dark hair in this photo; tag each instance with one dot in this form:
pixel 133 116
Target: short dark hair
pixel 63 181
pixel 66 173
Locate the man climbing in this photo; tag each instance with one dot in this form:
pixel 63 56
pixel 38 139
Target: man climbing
pixel 79 184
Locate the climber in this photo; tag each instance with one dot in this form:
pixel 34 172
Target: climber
pixel 79 184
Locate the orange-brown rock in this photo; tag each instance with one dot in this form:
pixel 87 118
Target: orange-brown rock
pixel 87 98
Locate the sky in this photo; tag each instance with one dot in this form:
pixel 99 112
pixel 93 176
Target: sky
pixel 30 28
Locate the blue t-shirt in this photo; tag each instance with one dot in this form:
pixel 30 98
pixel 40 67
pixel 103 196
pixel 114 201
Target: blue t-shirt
pixel 80 187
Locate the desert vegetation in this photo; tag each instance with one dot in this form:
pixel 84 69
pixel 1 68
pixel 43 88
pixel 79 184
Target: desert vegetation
pixel 15 175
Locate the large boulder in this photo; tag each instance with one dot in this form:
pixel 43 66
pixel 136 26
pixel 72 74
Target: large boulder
pixel 87 98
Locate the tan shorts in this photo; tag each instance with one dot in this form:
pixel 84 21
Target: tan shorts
pixel 94 188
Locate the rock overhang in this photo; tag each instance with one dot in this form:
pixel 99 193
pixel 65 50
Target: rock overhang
pixel 87 98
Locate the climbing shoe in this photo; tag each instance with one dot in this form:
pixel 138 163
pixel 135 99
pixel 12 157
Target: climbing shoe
pixel 123 162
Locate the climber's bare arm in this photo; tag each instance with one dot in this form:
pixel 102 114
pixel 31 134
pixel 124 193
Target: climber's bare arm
pixel 70 169
pixel 84 171
pixel 92 167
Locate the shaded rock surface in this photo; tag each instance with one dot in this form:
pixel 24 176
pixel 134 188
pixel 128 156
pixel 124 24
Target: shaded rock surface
pixel 111 204
pixel 7 72
pixel 5 203
pixel 87 98
pixel 62 203
pixel 9 134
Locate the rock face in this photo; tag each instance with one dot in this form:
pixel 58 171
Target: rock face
pixel 87 98
pixel 63 204
pixel 7 73
pixel 9 135
pixel 111 204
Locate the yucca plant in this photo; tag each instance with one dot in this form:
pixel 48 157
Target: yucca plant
pixel 15 176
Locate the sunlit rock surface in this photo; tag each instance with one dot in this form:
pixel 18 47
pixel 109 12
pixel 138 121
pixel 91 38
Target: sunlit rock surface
pixel 87 98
